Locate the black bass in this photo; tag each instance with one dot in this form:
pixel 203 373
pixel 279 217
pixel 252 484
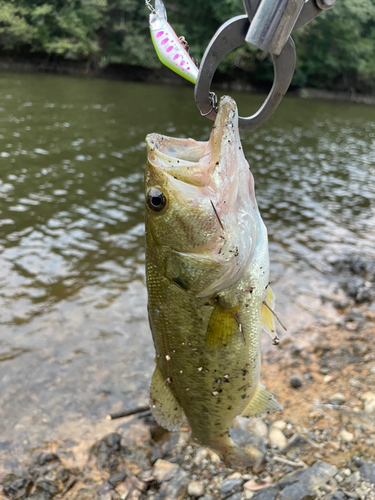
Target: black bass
pixel 207 273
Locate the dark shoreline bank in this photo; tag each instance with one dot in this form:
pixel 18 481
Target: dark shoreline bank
pixel 162 76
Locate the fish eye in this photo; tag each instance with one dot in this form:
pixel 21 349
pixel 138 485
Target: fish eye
pixel 156 199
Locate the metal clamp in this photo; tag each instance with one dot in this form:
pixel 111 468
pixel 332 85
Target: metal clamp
pixel 228 37
pixel 267 25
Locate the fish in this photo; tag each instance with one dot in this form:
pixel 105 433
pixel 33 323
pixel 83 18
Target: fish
pixel 207 274
pixel 170 49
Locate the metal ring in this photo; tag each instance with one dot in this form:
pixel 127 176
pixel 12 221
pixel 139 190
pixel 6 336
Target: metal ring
pixel 228 37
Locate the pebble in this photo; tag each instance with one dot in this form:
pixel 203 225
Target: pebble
pixel 230 486
pixel 277 438
pixel 295 381
pixel 280 424
pixel 175 489
pixel 346 436
pixel 269 493
pixel 369 399
pixel 163 470
pixel 337 399
pixel 258 427
pixel 195 489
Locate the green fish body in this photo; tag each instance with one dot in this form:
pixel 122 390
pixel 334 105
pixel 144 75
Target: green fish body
pixel 207 272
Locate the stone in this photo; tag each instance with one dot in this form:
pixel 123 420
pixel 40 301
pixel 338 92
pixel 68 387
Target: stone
pixel 16 486
pixel 200 455
pixel 258 427
pixel 195 489
pixel 369 399
pixel 207 497
pixel 236 496
pixel 277 438
pixel 47 486
pixel 104 488
pixel 295 381
pixel 39 495
pixel 119 477
pixel 346 436
pixel 337 399
pixel 45 458
pixel 291 478
pixel 280 424
pixel 308 481
pixel 164 470
pixel 175 489
pixel 248 494
pixel 337 495
pixel 230 486
pixel 267 494
pixel 367 469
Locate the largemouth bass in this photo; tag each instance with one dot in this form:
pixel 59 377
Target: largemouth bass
pixel 207 273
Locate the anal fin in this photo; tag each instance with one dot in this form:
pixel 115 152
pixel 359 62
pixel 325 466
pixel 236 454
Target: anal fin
pixel 262 402
pixel 164 405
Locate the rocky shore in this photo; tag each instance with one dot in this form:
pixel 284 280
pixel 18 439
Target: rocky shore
pixel 321 446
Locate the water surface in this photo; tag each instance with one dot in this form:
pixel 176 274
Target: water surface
pixel 74 338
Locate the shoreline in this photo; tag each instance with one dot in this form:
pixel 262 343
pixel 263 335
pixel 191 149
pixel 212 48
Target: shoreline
pixel 319 447
pixel 163 76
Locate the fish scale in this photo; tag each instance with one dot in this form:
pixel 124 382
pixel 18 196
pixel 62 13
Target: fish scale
pixel 206 289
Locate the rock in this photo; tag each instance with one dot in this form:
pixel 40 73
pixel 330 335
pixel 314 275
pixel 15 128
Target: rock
pixel 248 494
pixel 367 469
pixel 207 497
pixel 257 427
pixel 113 441
pixel 214 457
pixel 277 438
pixel 47 486
pixel 16 487
pixel 39 495
pixel 280 424
pixel 163 470
pixel 290 478
pixel 119 477
pixel 230 486
pixel 369 399
pixel 337 399
pixel 236 496
pixel 104 489
pixel 337 495
pixel 175 489
pixel 200 455
pixel 266 494
pixel 308 481
pixel 195 489
pixel 45 458
pixel 295 381
pixel 346 436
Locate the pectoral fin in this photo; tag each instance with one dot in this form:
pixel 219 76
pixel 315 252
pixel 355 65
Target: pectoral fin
pixel 164 406
pixel 268 320
pixel 262 402
pixel 222 325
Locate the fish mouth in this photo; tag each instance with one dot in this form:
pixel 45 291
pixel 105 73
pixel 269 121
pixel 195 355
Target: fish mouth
pixel 195 162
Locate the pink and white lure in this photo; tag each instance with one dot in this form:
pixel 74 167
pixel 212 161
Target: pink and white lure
pixel 168 46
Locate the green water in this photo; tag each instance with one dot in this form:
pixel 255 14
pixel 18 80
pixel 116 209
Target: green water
pixel 74 337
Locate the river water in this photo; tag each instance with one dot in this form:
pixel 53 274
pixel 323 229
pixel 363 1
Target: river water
pixel 74 338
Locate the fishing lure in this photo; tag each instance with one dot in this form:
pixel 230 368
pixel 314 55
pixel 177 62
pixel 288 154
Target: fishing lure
pixel 169 48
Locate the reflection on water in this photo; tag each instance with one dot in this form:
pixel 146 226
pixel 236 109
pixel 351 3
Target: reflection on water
pixel 75 342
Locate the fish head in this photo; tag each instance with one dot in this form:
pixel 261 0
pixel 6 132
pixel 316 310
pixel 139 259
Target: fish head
pixel 201 210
